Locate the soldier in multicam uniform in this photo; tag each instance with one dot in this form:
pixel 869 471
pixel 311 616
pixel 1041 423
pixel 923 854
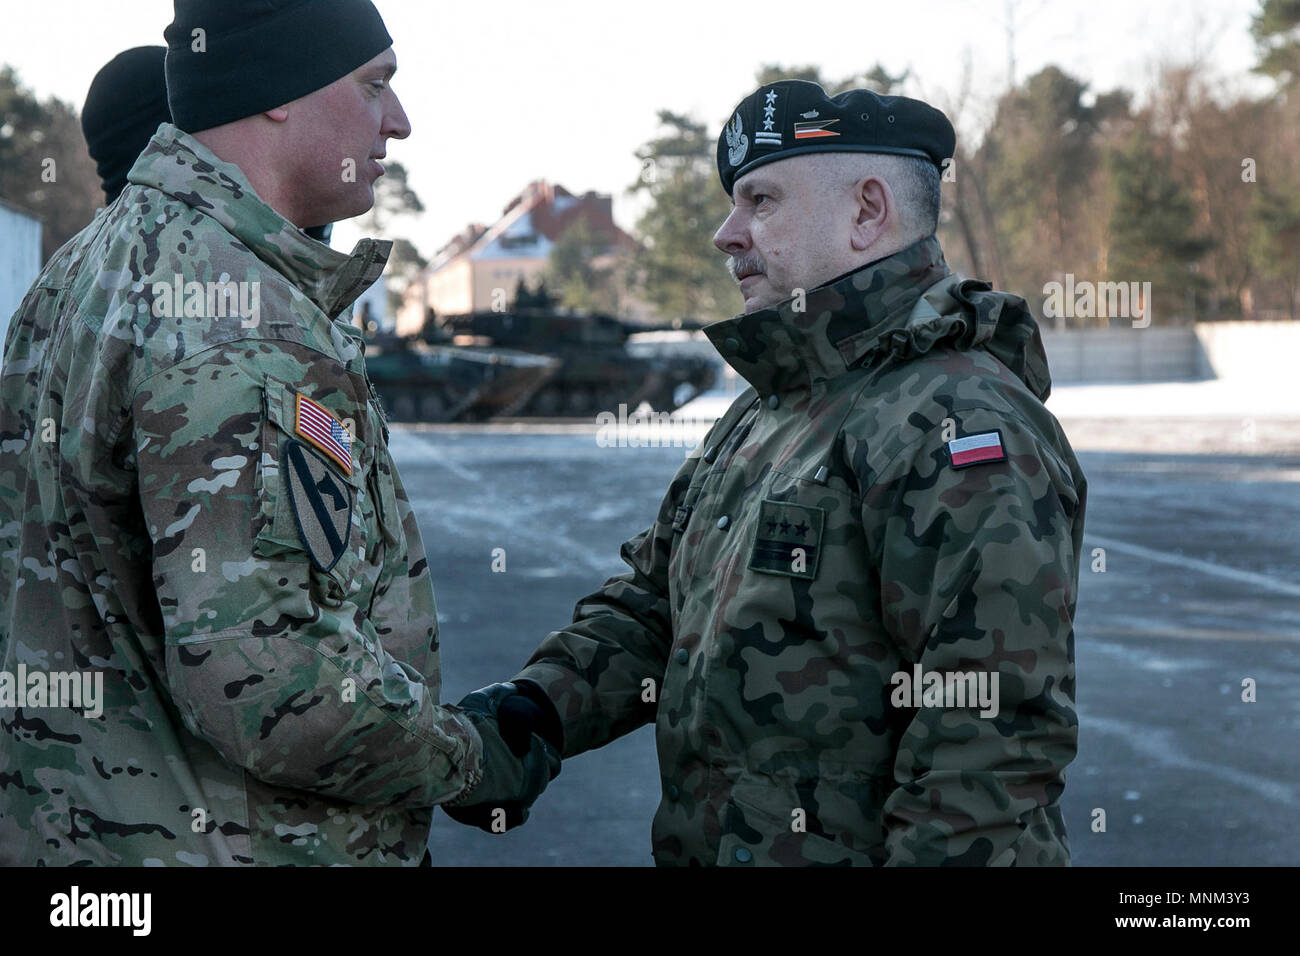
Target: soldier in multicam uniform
pixel 889 494
pixel 197 501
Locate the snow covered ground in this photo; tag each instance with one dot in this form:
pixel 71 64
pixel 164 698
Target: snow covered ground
pixel 1212 398
pixel 1217 416
pixel 1197 590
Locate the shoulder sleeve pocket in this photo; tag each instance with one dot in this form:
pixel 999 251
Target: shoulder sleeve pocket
pixel 308 487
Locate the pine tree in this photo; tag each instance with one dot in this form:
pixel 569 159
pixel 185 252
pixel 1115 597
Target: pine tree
pixel 682 274
pixel 1153 235
pixel 1274 31
pixel 45 166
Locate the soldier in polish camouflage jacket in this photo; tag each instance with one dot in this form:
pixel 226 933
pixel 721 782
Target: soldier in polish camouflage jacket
pixel 889 504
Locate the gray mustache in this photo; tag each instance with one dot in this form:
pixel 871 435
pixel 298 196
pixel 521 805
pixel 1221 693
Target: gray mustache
pixel 747 263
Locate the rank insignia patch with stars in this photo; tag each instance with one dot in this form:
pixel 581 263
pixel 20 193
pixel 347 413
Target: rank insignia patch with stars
pixel 769 124
pixel 321 503
pixel 788 539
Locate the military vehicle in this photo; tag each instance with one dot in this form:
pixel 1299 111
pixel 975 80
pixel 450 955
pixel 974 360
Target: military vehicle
pixel 598 371
pixel 419 382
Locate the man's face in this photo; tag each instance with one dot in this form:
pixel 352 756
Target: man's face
pixel 339 134
pixel 789 230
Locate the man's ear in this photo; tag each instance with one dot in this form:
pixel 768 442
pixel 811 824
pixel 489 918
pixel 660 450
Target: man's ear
pixel 279 114
pixel 874 211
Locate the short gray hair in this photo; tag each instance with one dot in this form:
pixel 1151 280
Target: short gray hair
pixel 913 180
pixel 918 181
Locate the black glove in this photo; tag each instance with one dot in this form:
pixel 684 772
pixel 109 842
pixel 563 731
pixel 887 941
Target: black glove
pixel 518 759
pixel 546 719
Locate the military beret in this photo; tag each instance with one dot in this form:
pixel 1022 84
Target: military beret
pixel 791 117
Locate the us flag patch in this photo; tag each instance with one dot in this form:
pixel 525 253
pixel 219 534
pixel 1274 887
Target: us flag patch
pixel 314 422
pixel 976 449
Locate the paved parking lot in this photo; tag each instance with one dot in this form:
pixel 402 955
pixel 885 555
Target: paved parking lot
pixel 1201 591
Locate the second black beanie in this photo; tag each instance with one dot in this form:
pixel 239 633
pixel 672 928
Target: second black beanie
pixel 126 102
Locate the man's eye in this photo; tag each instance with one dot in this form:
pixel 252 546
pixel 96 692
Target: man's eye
pixel 759 197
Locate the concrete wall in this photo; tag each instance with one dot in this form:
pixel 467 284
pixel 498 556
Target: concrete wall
pixel 1123 355
pixel 20 260
pixel 1263 350
pixel 1224 350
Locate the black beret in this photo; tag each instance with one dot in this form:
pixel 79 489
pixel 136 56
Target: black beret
pixel 791 117
pixel 255 55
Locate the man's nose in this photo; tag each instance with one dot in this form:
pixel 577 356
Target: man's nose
pixel 731 236
pixel 396 125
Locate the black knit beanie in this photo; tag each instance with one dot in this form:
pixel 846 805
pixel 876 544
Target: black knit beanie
pixel 228 59
pixel 126 102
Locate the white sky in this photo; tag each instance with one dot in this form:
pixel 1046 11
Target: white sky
pixel 501 93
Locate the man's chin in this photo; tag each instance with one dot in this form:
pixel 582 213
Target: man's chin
pixel 757 296
pixel 757 301
pixel 358 204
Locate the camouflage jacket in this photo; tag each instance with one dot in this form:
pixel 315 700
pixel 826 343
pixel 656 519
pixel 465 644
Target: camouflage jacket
pixel 198 508
pixel 831 534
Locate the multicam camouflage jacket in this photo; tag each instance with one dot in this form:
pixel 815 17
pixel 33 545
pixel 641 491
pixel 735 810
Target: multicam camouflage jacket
pixel 198 509
pixel 890 500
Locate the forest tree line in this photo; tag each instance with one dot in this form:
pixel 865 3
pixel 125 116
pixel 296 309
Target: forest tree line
pixel 1195 191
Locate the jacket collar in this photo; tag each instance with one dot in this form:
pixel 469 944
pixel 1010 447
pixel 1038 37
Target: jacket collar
pixel 801 344
pixel 180 166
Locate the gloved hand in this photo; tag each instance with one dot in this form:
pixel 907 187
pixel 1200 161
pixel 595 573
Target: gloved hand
pixel 522 741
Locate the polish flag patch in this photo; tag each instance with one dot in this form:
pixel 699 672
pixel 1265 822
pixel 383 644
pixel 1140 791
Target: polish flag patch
pixel 976 449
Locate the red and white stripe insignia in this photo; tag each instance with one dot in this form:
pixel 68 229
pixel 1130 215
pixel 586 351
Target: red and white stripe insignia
pixel 314 422
pixel 976 449
pixel 815 130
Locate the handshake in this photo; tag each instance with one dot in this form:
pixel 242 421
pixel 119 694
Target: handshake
pixel 522 742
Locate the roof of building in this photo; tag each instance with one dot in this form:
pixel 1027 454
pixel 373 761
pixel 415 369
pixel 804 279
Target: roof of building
pixel 530 225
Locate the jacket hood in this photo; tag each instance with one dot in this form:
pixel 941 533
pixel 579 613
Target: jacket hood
pixel 966 314
pixel 895 309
